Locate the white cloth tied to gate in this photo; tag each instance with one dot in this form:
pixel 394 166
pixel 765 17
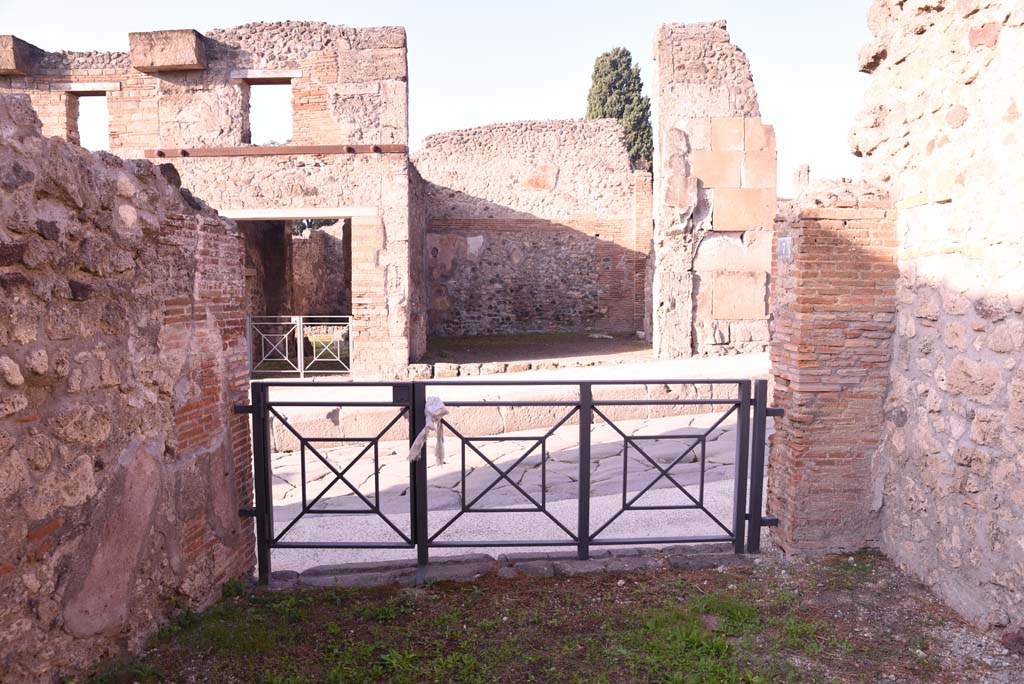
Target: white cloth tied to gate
pixel 434 409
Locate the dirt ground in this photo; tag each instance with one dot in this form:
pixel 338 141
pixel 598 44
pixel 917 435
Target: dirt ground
pixel 844 619
pixel 529 347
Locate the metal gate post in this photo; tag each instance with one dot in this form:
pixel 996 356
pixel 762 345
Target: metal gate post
pixel 419 480
pixel 583 521
pixel 300 343
pixel 742 454
pixel 757 464
pixel 262 480
pixel 249 341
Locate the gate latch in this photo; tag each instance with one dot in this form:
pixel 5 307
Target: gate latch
pixel 247 512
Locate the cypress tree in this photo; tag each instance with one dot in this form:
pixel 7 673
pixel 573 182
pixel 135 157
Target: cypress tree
pixel 615 93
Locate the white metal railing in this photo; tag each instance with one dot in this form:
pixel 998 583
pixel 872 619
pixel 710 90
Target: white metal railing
pixel 299 345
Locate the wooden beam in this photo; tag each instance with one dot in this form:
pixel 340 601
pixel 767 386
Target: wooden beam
pixel 272 150
pixel 297 213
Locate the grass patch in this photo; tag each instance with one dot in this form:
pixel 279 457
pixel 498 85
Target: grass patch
pixel 742 626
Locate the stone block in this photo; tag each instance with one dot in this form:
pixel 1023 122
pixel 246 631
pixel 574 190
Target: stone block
pixel 379 37
pixel 749 331
pixel 576 568
pixel 757 137
pixel 446 370
pixel 681 191
pixel 384 64
pixel 697 132
pixel 727 133
pixel 739 296
pixel 177 50
pixel 539 568
pixel 717 169
pixel 739 209
pixel 733 252
pixel 15 55
pixel 759 169
pixel 541 177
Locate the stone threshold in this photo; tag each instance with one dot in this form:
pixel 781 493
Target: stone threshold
pixel 429 371
pixel 471 567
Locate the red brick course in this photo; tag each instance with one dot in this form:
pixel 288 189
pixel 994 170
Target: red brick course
pixel 833 303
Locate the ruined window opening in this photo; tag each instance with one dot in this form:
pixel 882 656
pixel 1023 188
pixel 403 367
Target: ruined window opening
pixel 91 125
pixel 270 113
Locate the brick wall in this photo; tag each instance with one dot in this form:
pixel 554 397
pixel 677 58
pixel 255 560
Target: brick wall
pixel 833 303
pixel 380 340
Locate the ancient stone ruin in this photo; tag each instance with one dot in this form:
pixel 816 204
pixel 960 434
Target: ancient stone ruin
pixel 898 314
pixel 893 305
pixel 464 237
pixel 715 199
pixel 122 351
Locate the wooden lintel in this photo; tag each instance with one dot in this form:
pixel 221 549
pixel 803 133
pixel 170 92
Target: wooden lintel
pixel 277 150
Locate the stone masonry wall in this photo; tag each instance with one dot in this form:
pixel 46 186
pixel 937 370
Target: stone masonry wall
pixel 351 87
pixel 534 227
pixel 182 90
pixel 942 127
pixel 299 182
pixel 321 275
pixel 267 267
pixel 308 254
pixel 833 312
pixel 122 352
pixel 714 197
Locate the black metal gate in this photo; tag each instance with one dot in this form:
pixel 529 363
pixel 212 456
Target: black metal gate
pixel 745 401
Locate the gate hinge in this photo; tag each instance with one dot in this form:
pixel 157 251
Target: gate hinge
pixel 243 408
pixel 775 412
pixel 247 512
pixel 769 521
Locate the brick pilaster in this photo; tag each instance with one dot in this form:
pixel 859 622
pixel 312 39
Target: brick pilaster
pixel 833 301
pixel 380 334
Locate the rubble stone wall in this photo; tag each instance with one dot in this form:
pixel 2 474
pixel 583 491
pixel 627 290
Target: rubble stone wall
pixel 534 227
pixel 714 197
pixel 267 267
pixel 942 127
pixel 321 275
pixel 122 352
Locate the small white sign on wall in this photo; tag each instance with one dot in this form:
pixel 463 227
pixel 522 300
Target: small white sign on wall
pixel 785 248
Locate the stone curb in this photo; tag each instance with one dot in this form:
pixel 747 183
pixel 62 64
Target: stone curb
pixel 471 567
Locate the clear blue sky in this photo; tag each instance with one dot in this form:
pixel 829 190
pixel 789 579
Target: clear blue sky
pixel 473 62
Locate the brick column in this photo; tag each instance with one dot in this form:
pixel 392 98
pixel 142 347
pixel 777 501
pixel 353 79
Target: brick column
pixel 833 302
pixel 380 336
pixel 643 237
